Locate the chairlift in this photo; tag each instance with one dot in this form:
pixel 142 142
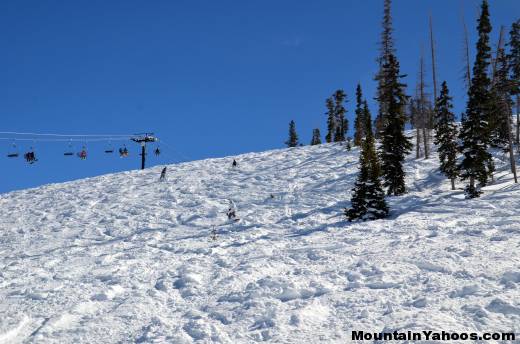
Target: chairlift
pixel 70 150
pixel 83 154
pixel 157 151
pixel 109 148
pixel 123 152
pixel 13 153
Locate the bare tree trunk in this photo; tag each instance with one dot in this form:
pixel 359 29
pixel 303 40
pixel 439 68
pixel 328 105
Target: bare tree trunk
pixel 466 57
pixel 510 139
pixel 417 143
pixel 425 141
pixel 518 123
pixel 453 183
pixel 434 74
pixel 422 110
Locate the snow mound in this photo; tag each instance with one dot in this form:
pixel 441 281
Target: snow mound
pixel 125 258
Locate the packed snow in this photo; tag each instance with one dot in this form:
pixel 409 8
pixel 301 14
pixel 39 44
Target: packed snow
pixel 125 258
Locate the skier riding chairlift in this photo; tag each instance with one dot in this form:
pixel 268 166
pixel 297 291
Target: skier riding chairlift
pixel 30 157
pixel 83 154
pixel 123 152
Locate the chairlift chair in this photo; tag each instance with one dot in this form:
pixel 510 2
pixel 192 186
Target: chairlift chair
pixel 13 153
pixel 109 149
pixel 70 151
pixel 157 151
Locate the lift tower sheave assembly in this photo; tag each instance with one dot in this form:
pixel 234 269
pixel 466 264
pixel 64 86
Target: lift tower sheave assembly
pixel 142 139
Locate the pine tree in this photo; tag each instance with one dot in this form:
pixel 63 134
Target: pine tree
pixel 387 49
pixel 293 137
pixel 514 64
pixel 446 134
pixel 339 114
pixel 501 103
pixel 359 122
pixel 316 137
pixel 367 117
pixel 368 199
pixel 394 144
pixel 331 120
pixel 514 54
pixel 477 164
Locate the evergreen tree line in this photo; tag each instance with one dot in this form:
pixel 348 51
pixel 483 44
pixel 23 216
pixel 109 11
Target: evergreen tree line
pixel 487 122
pixel 464 153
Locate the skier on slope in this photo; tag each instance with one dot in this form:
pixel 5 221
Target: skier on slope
pixel 234 163
pixel 232 211
pixel 163 175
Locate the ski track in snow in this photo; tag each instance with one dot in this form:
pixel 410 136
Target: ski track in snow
pixel 124 258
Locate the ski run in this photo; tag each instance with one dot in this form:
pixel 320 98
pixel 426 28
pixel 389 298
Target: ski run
pixel 124 258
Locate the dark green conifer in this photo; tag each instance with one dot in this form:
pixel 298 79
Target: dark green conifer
pixel 341 121
pixel 394 144
pixel 367 118
pixel 477 165
pixel 501 103
pixel 386 49
pixel 446 134
pixel 316 137
pixel 359 122
pixel 368 199
pixel 293 137
pixel 331 120
pixel 514 65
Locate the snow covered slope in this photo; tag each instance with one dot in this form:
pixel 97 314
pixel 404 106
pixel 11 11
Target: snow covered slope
pixel 123 258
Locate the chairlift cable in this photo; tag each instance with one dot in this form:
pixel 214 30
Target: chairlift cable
pixel 67 140
pixel 183 156
pixel 65 135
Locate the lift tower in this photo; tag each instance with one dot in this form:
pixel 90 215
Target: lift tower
pixel 142 139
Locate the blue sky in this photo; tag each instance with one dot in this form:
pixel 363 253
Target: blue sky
pixel 210 78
